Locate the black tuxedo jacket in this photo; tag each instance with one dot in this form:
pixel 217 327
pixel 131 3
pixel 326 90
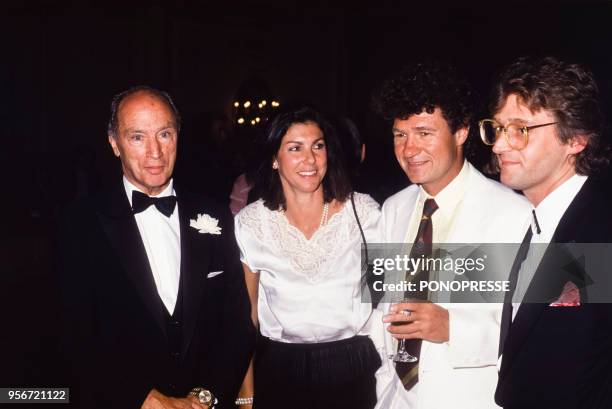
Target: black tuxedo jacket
pixel 116 332
pixel 561 357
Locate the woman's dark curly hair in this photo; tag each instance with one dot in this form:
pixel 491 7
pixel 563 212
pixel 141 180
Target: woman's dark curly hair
pixel 336 182
pixel 422 87
pixel 567 90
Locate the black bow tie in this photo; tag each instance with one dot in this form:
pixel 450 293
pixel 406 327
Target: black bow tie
pixel 141 202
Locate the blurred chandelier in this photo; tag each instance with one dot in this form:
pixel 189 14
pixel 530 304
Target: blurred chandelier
pixel 253 105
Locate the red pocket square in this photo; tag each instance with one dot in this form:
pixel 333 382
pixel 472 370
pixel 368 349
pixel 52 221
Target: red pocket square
pixel 570 296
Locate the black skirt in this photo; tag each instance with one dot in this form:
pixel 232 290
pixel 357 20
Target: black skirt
pixel 338 374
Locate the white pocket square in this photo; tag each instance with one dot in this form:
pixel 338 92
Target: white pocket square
pixel 213 274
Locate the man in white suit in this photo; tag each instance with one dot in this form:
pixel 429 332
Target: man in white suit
pixel 449 202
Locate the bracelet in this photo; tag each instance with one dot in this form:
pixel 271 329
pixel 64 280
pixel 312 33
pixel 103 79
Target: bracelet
pixel 244 401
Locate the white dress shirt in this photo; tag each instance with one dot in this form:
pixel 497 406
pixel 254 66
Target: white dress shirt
pixel 162 241
pixel 548 214
pixel 309 289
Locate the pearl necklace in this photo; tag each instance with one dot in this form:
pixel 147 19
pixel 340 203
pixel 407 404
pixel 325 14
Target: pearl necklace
pixel 324 214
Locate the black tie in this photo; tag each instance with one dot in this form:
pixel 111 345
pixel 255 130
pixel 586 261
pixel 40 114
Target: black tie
pixel 506 320
pixel 141 202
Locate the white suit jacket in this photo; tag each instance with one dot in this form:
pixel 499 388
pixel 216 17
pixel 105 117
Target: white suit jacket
pixel 461 373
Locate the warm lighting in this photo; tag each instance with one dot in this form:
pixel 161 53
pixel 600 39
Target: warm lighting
pixel 252 105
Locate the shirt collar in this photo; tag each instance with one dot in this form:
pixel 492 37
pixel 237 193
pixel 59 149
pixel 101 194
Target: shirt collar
pixel 551 209
pixel 452 194
pixel 129 187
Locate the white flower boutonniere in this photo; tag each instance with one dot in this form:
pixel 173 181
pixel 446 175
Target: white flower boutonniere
pixel 206 224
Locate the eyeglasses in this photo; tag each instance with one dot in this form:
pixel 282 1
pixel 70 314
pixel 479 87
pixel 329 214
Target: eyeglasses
pixel 517 136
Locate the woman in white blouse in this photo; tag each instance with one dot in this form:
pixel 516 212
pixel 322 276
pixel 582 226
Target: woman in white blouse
pixel 300 248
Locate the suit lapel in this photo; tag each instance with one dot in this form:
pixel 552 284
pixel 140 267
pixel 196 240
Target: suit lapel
pixel 472 210
pixel 401 216
pixel 120 226
pixel 567 230
pixel 531 307
pixel 194 263
pixel 529 313
pixel 546 285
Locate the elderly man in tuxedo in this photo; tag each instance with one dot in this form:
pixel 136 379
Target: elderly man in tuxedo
pixel 429 107
pixel 151 285
pixel 546 130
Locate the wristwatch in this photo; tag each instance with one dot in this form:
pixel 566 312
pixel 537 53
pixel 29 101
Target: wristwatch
pixel 204 396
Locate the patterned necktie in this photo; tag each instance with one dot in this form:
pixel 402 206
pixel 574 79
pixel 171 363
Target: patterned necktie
pixel 141 202
pixel 408 371
pixel 521 255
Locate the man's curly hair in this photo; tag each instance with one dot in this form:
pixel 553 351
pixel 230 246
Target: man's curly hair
pixel 422 87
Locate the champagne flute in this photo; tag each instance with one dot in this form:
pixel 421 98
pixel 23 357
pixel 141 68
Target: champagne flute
pixel 402 354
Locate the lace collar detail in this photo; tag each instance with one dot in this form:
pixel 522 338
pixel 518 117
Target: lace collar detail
pixel 312 258
pixel 309 257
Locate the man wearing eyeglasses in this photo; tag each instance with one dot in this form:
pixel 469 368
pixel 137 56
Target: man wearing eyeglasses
pixel 429 109
pixel 546 131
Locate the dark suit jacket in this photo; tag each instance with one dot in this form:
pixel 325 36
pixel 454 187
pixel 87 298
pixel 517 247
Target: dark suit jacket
pixel 115 330
pixel 561 357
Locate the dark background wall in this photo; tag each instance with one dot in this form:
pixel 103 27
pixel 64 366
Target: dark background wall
pixel 62 61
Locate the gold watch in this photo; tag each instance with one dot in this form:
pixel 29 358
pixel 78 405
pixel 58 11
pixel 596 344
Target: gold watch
pixel 204 396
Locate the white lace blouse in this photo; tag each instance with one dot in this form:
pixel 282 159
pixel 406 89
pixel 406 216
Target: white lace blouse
pixel 309 290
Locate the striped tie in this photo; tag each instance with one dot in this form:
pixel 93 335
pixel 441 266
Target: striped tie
pixel 408 372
